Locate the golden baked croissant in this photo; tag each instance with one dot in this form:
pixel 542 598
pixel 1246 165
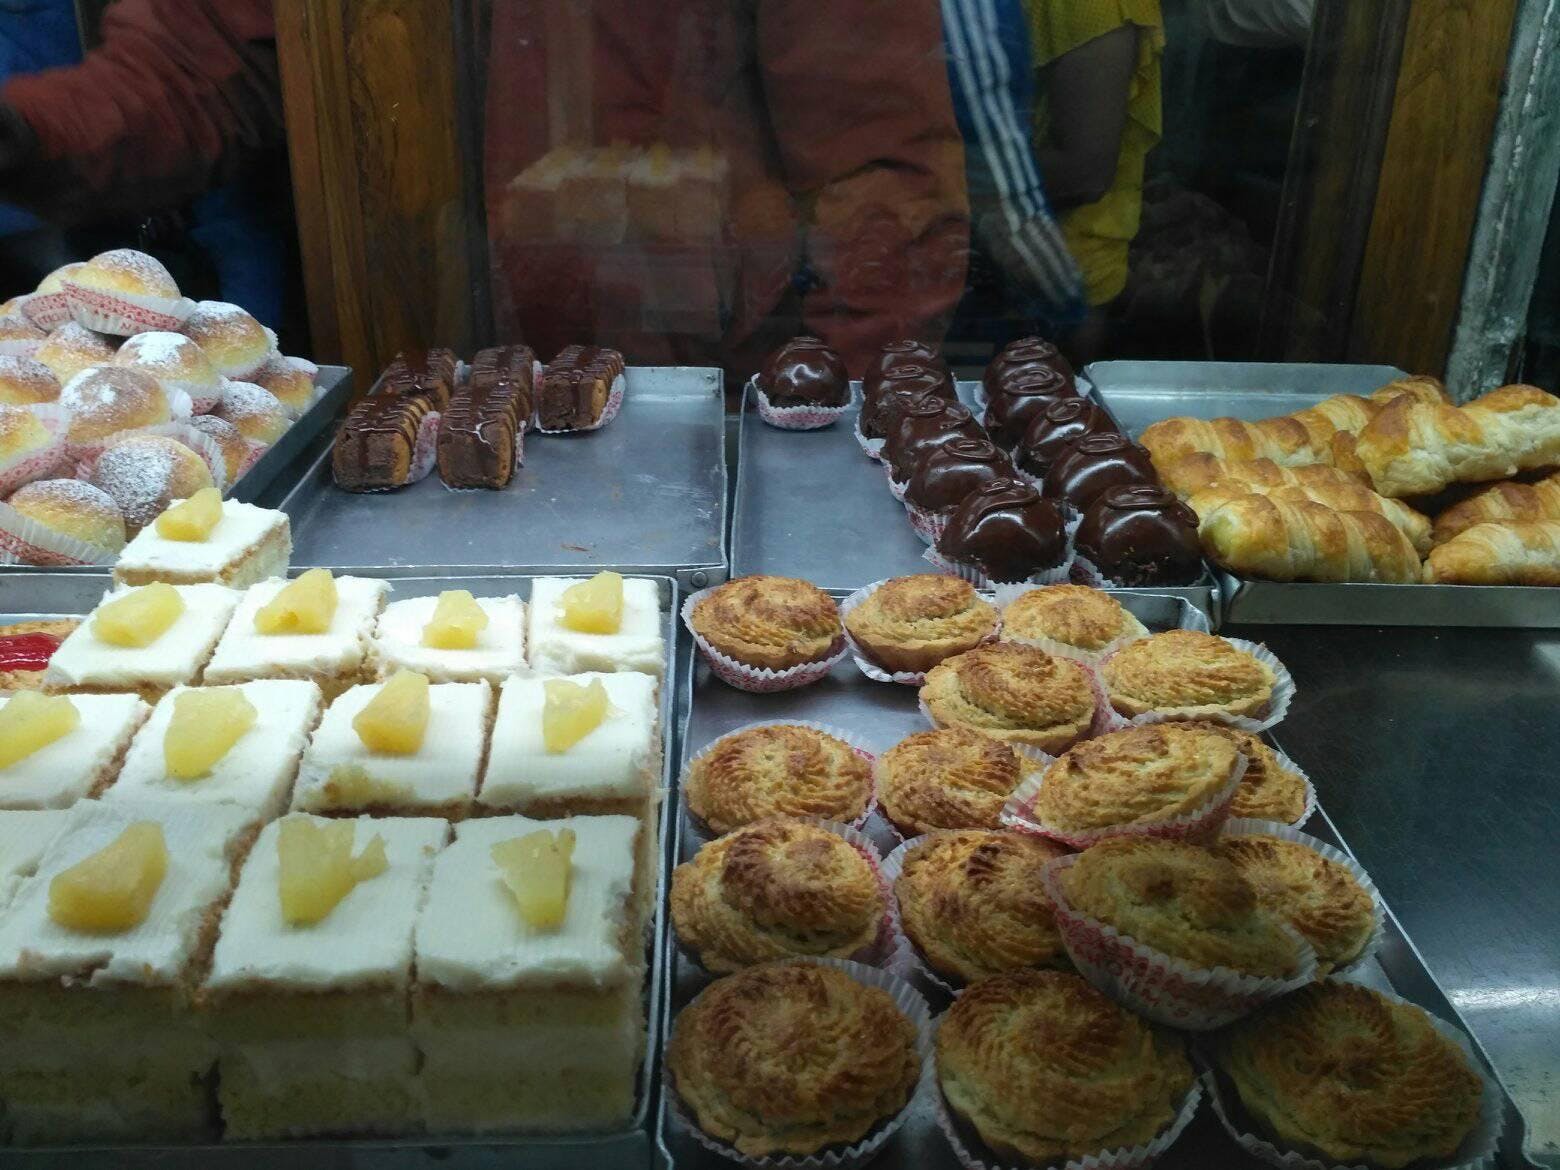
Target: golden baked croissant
pixel 1340 497
pixel 1501 502
pixel 1522 552
pixel 1259 537
pixel 1192 473
pixel 1283 440
pixel 1415 448
pixel 1419 387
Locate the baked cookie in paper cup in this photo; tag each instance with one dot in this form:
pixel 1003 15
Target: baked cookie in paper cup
pixel 1164 987
pixel 60 523
pixel 31 443
pixel 900 627
pixel 796 418
pixel 1187 674
pixel 1062 618
pixel 609 412
pixel 806 1064
pixel 1038 1068
pixel 124 292
pixel 1340 1076
pixel 781 888
pixel 765 633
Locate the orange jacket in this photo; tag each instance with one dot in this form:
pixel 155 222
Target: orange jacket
pixel 827 189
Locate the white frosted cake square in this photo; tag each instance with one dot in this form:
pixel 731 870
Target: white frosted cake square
pixel 523 1027
pixel 335 659
pixel 81 761
pixel 256 772
pixel 313 1019
pixel 637 645
pixel 612 769
pixel 25 836
pixel 498 654
pixel 247 545
pixel 341 774
pixel 84 662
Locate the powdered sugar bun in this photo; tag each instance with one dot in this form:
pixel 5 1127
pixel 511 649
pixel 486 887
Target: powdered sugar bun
pixel 146 473
pixel 291 380
pixel 49 307
pixel 72 509
pixel 177 363
pixel 105 400
pixel 237 452
pixel 255 411
pixel 20 336
pixel 30 446
pixel 13 306
pixel 125 270
pixel 234 341
pixel 24 381
pixel 123 291
pixel 72 348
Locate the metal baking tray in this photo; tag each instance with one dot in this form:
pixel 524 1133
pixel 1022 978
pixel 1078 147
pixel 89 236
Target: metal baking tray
pixel 333 386
pixel 811 504
pixel 25 596
pixel 644 494
pixel 1139 393
pixel 882 714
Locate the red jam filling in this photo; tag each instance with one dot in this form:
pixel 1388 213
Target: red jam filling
pixel 27 651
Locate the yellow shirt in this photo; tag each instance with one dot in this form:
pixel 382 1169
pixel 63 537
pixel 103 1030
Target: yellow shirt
pixel 1099 234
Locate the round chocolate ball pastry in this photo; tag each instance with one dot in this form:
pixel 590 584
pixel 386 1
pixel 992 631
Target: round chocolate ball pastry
pixel 897 382
pixel 805 372
pixel 1055 429
pixel 922 425
pixel 953 471
pixel 1017 357
pixel 1141 535
pixel 1094 463
pixel 1006 531
pixel 1020 399
pixel 906 352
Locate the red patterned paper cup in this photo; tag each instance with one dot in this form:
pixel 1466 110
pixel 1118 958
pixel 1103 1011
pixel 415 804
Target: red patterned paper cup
pixel 973 574
pixel 759 679
pixel 23 541
pixel 48 311
pixel 795 418
pixel 928 525
pixel 871 448
pixel 126 314
pixel 43 462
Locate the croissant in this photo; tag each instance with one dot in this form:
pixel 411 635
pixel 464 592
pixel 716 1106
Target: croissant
pixel 1192 473
pixel 1258 537
pixel 1419 387
pixel 1415 448
pixel 1283 440
pixel 1499 502
pixel 1344 497
pixel 1522 552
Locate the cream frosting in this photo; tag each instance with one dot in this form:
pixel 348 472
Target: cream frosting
pixel 201 841
pixel 25 835
pixel 245 653
pixel 242 527
pixel 637 645
pixel 365 940
pixel 257 770
pixel 65 771
pixel 471 937
pixel 614 761
pixel 174 658
pixel 442 771
pixel 499 652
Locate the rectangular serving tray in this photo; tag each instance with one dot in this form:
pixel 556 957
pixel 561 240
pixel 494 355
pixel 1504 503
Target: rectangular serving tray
pixel 24 596
pixel 884 713
pixel 333 386
pixel 1139 393
pixel 644 494
pixel 811 504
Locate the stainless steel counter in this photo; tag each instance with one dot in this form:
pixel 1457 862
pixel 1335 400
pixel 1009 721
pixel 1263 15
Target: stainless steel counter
pixel 1437 755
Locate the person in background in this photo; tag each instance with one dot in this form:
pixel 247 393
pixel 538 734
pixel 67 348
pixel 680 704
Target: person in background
pixel 1097 116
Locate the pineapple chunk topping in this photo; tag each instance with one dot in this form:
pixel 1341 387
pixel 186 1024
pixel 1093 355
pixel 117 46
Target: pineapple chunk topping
pixel 536 870
pixel 206 724
pixel 570 712
pixel 139 617
pixel 395 719
pixel 304 606
pixel 112 890
pixel 352 786
pixel 316 869
pixel 30 721
pixel 594 606
pixel 192 519
pixel 457 621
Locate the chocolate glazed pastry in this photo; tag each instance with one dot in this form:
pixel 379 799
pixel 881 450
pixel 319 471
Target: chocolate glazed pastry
pixel 920 426
pixel 377 442
pixel 953 471
pixel 576 385
pixel 1019 399
pixel 479 430
pixel 898 381
pixel 1027 353
pixel 1006 530
pixel 805 372
pixel 1094 463
pixel 1141 535
pixel 1055 429
pixel 901 353
pixel 430 373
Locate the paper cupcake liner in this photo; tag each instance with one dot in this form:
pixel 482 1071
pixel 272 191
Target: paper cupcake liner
pixel 971 573
pixel 759 679
pixel 1105 720
pixel 896 487
pixel 1086 572
pixel 859 823
pixel 972 1155
pixel 1477 1152
pixel 21 347
pixel 928 525
pixel 48 311
pixel 864 663
pixel 42 463
pixel 24 541
pixel 1283 695
pixel 1202 824
pixel 126 314
pixel 909 1001
pixel 1165 989
pixel 795 418
pixel 608 412
pixel 871 448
